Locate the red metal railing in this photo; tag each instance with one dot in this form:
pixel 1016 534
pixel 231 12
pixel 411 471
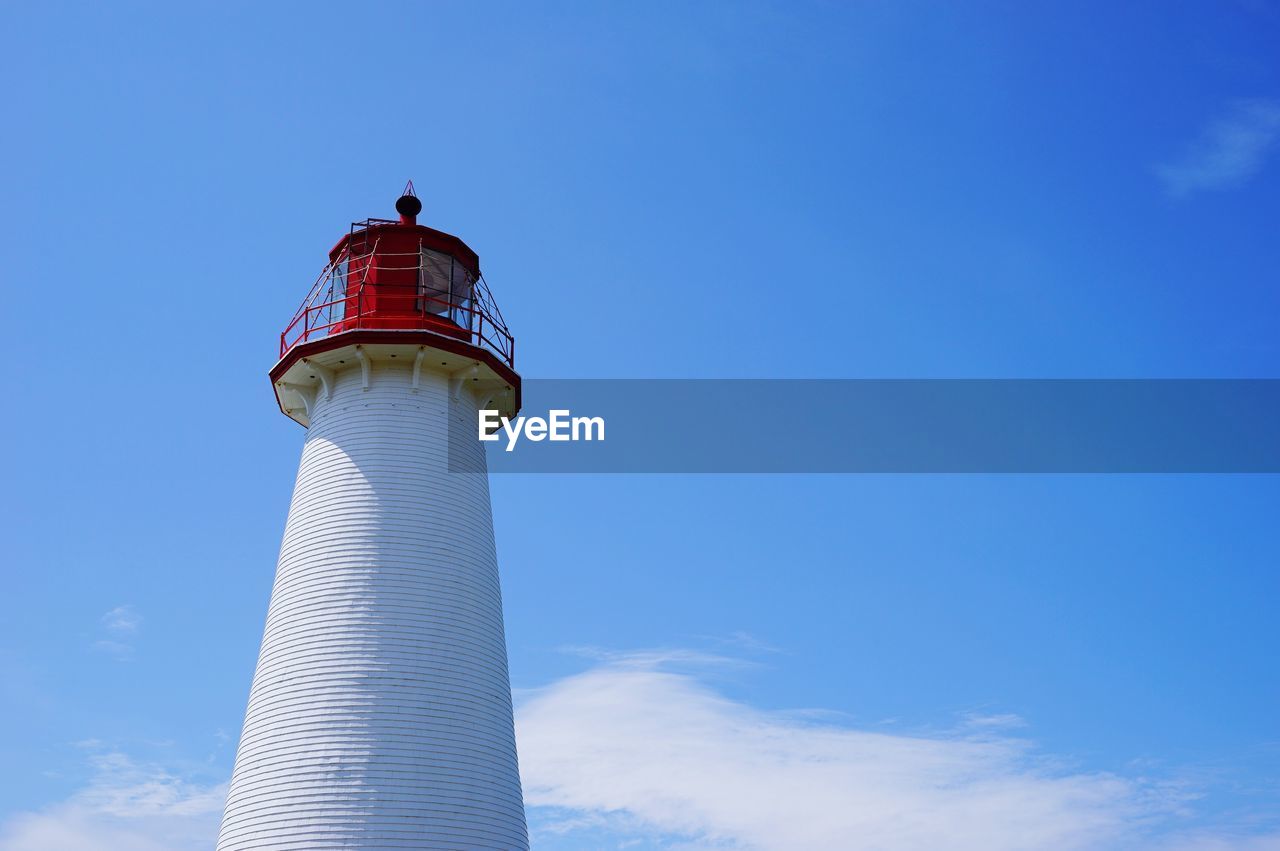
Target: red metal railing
pixel 345 300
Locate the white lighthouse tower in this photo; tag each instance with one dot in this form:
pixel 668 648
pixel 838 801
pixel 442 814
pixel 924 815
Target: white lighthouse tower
pixel 380 713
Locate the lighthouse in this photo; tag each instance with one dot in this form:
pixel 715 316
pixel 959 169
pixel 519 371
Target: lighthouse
pixel 380 711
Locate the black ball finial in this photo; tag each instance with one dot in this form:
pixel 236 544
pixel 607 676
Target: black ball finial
pixel 408 205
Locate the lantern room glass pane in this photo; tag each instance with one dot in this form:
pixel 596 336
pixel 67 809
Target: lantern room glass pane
pixel 434 273
pixel 462 285
pixel 338 292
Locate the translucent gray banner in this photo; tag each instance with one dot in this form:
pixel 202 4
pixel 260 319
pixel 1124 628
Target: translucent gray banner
pixel 890 426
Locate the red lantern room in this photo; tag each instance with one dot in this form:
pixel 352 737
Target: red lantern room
pixel 396 283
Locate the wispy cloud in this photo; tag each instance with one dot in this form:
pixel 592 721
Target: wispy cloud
pixel 1231 150
pixel 125 807
pixel 666 657
pixel 640 752
pixel 120 626
pixel 122 620
pixel 636 752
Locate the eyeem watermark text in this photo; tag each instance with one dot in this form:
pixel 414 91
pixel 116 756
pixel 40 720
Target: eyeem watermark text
pixel 558 425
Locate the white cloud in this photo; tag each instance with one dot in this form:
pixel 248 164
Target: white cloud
pixel 658 755
pixel 125 807
pixel 1230 151
pixel 121 624
pixel 122 620
pixel 635 753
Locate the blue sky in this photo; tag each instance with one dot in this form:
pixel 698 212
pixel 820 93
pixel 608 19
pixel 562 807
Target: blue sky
pixel 663 190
